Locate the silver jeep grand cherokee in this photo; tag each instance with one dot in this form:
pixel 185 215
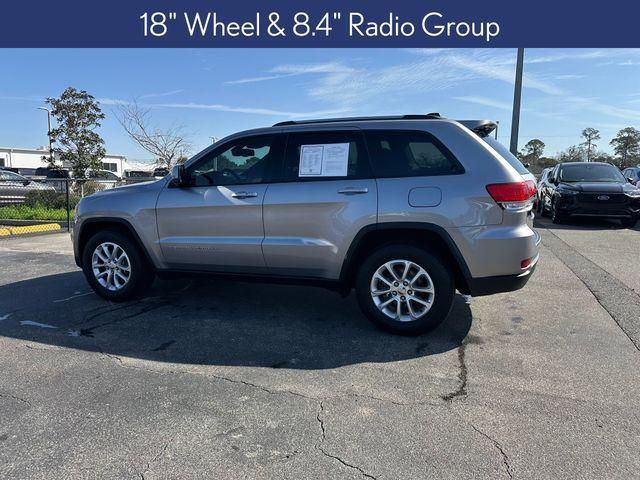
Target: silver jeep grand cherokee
pixel 404 209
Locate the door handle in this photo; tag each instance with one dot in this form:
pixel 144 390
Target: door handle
pixel 353 190
pixel 244 195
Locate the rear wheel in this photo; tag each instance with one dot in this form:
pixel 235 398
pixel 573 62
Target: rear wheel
pixel 404 289
pixel 115 267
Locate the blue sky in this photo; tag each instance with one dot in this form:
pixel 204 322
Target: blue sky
pixel 215 92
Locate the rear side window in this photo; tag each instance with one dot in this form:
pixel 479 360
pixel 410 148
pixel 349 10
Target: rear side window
pixel 325 156
pixel 397 153
pixel 506 154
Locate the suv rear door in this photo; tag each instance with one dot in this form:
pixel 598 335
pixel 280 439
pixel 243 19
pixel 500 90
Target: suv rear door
pixel 324 196
pixel 216 224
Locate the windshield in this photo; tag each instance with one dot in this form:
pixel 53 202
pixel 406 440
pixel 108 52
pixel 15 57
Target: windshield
pixel 590 173
pixel 506 154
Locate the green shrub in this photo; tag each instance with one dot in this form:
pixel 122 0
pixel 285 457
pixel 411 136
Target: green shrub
pixel 50 199
pixel 26 212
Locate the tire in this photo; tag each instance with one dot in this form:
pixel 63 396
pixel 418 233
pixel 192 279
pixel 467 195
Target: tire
pixel 438 275
pixel 139 277
pixel 556 217
pixel 629 222
pixel 540 207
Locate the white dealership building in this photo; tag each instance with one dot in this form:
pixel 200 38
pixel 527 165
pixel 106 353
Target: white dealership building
pixel 26 160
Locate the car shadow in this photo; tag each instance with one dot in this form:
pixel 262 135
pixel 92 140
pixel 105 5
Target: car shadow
pixel 213 321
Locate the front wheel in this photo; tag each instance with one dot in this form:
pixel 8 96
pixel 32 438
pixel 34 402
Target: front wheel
pixel 405 290
pixel 114 266
pixel 556 216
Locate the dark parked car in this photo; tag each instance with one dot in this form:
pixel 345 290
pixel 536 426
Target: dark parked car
pixel 632 174
pixel 590 189
pixel 160 172
pixel 46 172
pixel 14 187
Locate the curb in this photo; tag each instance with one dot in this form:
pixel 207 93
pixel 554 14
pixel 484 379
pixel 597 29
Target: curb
pixel 46 227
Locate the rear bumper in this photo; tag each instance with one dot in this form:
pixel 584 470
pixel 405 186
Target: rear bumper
pixel 499 284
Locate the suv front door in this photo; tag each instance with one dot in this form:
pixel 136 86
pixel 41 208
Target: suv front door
pixel 216 222
pixel 324 196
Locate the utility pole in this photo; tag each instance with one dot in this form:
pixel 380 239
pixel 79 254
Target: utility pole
pixel 49 133
pixel 517 95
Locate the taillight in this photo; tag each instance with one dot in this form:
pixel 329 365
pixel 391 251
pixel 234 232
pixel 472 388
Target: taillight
pixel 513 196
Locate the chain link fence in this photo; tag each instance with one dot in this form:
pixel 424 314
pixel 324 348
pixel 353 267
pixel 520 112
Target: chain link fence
pixel 42 205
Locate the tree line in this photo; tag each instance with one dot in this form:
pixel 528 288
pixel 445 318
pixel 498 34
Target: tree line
pixel 625 145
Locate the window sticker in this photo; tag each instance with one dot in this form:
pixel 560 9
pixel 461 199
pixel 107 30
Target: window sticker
pixel 326 160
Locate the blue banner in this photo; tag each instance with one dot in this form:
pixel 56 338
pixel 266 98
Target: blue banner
pixel 330 23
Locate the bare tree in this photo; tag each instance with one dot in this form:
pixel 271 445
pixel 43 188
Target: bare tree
pixel 169 146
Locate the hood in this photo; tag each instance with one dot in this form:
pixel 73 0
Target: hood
pixel 598 187
pixel 132 188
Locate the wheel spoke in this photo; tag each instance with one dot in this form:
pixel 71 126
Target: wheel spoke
pixel 387 302
pixel 422 302
pixel 382 279
pixel 411 312
pixel 391 270
pixel 377 293
pixel 398 309
pixel 428 289
pixel 407 266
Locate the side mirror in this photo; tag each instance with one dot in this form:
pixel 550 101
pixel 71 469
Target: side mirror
pixel 526 165
pixel 630 180
pixel 26 182
pixel 179 176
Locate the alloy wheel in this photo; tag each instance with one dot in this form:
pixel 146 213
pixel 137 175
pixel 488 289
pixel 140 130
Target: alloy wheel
pixel 402 290
pixel 111 266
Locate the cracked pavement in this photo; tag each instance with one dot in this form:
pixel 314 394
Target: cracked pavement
pixel 205 378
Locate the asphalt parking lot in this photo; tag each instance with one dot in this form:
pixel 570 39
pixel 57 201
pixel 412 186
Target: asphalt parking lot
pixel 221 379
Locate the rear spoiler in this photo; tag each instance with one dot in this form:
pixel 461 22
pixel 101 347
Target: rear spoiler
pixel 482 128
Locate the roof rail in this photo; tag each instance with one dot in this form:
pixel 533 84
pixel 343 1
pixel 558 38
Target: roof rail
pixel 428 116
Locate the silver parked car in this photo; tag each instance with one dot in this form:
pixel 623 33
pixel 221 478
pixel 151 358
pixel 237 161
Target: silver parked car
pixel 14 187
pixel 404 209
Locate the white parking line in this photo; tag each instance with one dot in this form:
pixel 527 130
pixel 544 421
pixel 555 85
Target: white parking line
pixel 36 324
pixel 72 297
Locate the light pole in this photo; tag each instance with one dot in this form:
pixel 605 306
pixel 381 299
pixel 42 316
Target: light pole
pixel 517 95
pixel 49 134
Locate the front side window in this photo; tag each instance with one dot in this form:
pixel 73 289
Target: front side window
pixel 243 161
pixel 396 153
pixel 325 156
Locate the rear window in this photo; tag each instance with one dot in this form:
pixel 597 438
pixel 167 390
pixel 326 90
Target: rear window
pixel 506 154
pixel 396 153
